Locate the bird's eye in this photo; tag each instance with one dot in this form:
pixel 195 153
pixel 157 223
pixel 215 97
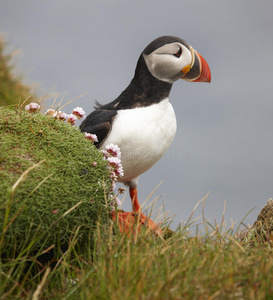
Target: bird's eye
pixel 178 53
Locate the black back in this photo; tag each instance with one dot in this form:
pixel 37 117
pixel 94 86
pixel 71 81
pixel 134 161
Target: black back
pixel 143 90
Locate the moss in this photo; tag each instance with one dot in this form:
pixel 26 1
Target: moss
pixel 54 199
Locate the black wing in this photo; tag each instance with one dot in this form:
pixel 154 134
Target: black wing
pixel 99 122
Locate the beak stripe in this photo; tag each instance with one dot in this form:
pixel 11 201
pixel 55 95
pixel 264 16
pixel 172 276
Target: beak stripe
pixel 192 57
pixel 205 75
pixel 199 69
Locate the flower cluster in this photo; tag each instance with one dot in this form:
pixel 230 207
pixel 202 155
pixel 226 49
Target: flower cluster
pixel 78 112
pixel 91 137
pixel 32 107
pixel 51 112
pixel 71 119
pixel 114 162
pixel 61 115
pixel 112 154
pixel 57 114
pixel 113 150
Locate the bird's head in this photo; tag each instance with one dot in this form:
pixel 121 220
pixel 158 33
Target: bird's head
pixel 169 58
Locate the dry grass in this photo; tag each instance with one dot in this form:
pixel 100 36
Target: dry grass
pixel 209 265
pixel 12 90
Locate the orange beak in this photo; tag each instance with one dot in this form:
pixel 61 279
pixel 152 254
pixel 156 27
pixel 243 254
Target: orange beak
pixel 199 70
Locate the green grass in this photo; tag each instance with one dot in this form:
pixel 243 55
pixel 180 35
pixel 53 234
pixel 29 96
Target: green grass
pixel 180 267
pixel 147 267
pixel 209 265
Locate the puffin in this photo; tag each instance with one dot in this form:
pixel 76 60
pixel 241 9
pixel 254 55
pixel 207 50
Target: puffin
pixel 141 120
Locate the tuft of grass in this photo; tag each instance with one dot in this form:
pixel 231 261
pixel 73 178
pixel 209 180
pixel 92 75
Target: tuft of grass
pixel 209 265
pixel 205 266
pixel 12 90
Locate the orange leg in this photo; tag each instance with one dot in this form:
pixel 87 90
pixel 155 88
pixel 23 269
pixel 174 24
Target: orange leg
pixel 129 221
pixel 134 199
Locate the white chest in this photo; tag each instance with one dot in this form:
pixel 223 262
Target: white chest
pixel 143 135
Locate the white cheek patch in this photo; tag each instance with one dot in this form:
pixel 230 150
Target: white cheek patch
pixel 165 66
pixel 160 66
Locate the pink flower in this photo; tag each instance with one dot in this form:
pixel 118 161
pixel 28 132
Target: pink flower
pixel 118 201
pixel 61 115
pixel 114 161
pixel 32 107
pixel 113 176
pixel 112 154
pixel 78 112
pixel 51 112
pixel 94 164
pixel 91 137
pixel 114 150
pixel 105 153
pixel 71 119
pixel 119 171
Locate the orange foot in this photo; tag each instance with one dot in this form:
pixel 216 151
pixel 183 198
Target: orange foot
pixel 129 222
